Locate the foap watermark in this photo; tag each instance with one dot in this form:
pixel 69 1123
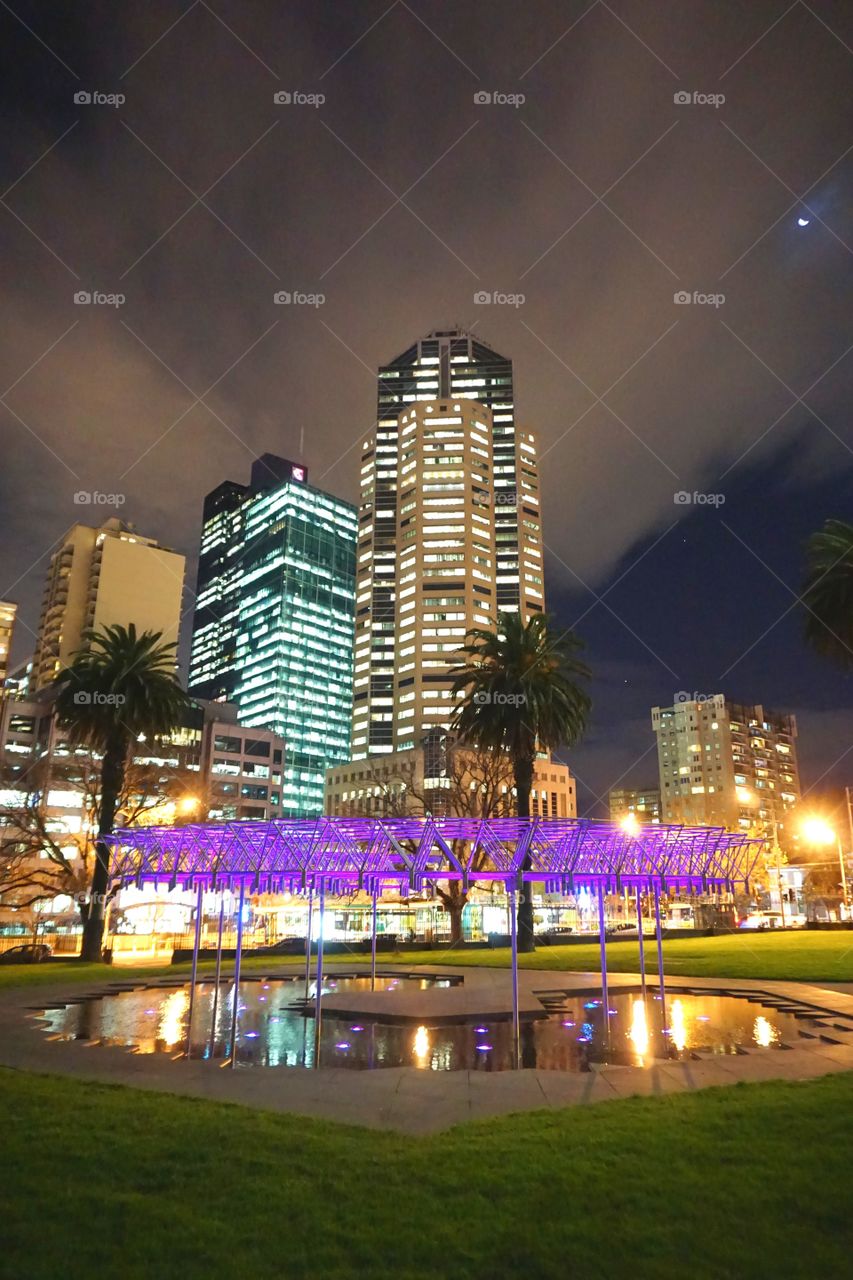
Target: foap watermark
pixel 684 695
pixel 94 98
pixel 286 298
pixel 494 297
pixel 496 98
pixel 296 98
pixel 485 699
pixel 94 498
pixel 85 298
pixel 698 99
pixel 82 698
pixel 682 498
pixel 683 298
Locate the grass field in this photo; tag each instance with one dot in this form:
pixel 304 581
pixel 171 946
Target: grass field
pixel 805 956
pixel 105 1181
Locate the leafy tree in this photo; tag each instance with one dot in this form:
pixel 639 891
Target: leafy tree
pixel 522 695
pixel 122 686
pixel 828 592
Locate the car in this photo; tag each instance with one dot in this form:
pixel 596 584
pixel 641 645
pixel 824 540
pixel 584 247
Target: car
pixel 27 953
pixel 762 920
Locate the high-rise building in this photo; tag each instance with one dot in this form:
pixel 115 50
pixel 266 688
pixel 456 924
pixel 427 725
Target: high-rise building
pixel 273 626
pixel 641 802
pixel 7 627
pixel 101 577
pixel 725 764
pixel 447 460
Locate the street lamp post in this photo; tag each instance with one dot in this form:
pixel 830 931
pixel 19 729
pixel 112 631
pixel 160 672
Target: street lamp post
pixel 818 832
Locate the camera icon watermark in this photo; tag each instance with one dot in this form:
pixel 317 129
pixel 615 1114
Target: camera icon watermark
pixel 682 498
pixel 86 298
pixel 495 98
pixel 286 298
pixel 94 98
pixel 698 99
pixel 486 699
pixel 82 698
pixel 94 498
pixel 684 695
pixel 682 298
pixel 494 297
pixel 296 98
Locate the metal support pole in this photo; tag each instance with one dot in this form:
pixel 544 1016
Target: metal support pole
pixel 640 933
pixel 660 958
pixel 196 941
pixel 844 898
pixel 237 973
pixel 373 941
pixel 318 998
pixel 513 934
pixel 308 940
pixel 218 976
pixel 602 940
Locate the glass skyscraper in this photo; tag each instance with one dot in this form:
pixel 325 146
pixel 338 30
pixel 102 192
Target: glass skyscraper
pixel 274 617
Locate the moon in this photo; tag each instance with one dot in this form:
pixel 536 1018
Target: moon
pixel 803 222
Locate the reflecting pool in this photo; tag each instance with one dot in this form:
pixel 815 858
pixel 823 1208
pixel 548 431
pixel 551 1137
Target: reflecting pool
pixel 275 1027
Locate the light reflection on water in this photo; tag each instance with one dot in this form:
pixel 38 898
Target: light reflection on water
pixel 272 1033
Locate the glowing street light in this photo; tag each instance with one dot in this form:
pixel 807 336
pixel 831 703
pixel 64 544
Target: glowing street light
pixel 630 824
pixel 817 831
pixel 188 804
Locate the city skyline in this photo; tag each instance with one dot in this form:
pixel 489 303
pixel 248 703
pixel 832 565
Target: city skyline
pixel 744 397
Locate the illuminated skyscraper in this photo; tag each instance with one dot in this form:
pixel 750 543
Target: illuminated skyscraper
pixel 449 532
pixel 273 626
pixel 7 627
pixel 105 576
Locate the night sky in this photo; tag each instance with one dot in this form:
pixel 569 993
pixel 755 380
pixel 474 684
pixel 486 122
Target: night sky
pixel 398 198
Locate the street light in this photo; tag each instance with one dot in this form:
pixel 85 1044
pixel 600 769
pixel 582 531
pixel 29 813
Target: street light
pixel 749 799
pixel 817 831
pixel 629 824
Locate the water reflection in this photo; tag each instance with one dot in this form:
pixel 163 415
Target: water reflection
pixel 273 1029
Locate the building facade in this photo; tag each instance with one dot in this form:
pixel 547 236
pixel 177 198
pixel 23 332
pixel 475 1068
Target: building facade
pixel 446 456
pixel 273 626
pixel 727 764
pixel 438 777
pixel 101 577
pixel 643 802
pixel 8 613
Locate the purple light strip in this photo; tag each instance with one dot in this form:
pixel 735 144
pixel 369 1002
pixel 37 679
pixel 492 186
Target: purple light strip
pixel 357 853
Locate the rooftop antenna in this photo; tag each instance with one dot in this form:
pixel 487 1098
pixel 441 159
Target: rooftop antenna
pixel 301 444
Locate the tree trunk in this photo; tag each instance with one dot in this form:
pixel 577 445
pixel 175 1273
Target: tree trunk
pixel 523 771
pixel 112 777
pixel 454 908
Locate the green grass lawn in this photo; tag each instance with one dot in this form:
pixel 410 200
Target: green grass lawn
pixel 103 1181
pixel 805 956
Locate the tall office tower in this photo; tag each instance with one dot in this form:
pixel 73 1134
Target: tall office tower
pixel 273 626
pixel 450 372
pixel 7 627
pixel 726 764
pixel 103 577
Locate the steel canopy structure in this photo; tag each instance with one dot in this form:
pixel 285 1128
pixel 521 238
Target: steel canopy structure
pixel 346 854
pixel 342 855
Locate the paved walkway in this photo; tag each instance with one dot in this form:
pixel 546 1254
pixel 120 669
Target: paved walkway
pixel 416 1101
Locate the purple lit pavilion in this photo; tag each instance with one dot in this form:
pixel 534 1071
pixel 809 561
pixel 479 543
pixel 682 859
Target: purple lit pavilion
pixel 339 855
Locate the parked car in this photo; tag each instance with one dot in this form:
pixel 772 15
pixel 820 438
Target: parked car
pixel 762 920
pixel 27 953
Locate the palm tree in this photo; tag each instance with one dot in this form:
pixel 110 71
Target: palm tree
pixel 119 687
pixel 521 695
pixel 828 592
